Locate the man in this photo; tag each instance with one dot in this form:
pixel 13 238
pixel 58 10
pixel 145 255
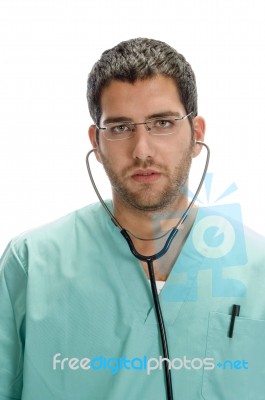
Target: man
pixel 77 315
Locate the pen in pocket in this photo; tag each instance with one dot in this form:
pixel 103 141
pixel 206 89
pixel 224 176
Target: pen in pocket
pixel 235 313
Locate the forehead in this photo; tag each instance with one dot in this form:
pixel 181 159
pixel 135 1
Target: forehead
pixel 141 98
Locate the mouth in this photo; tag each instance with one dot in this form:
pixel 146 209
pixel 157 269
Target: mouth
pixel 146 176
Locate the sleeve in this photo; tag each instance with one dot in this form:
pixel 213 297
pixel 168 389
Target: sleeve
pixel 13 283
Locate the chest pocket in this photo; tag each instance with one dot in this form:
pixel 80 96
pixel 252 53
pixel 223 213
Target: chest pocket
pixel 239 371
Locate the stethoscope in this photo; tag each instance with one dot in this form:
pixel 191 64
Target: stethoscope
pixel 150 259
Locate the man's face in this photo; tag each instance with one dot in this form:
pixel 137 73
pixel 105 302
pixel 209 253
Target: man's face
pixel 146 172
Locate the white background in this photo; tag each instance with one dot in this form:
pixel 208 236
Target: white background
pixel 47 49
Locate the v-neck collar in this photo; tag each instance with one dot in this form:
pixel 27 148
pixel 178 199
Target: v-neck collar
pixel 174 294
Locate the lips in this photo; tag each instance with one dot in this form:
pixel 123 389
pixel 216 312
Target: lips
pixel 145 175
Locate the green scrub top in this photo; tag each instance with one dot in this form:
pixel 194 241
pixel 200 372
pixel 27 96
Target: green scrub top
pixel 77 319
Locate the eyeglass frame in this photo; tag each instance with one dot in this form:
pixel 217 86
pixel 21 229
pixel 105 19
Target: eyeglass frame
pixel 133 124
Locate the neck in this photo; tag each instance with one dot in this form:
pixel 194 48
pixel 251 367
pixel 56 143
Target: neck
pixel 151 225
pixel 148 225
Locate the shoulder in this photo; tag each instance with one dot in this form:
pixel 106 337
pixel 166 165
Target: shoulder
pixel 221 232
pixel 88 216
pixel 51 237
pixel 226 219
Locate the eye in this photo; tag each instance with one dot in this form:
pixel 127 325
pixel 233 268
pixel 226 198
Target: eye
pixel 164 123
pixel 118 129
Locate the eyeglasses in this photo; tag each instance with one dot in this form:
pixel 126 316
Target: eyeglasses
pixel 158 126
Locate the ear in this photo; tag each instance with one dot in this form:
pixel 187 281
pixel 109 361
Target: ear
pixel 199 128
pixel 93 140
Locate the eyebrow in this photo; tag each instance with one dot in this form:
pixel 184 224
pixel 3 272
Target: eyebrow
pixel 156 115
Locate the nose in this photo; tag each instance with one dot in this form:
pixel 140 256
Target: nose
pixel 143 145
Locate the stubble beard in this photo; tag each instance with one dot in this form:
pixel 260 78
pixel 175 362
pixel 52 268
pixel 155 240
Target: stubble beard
pixel 147 198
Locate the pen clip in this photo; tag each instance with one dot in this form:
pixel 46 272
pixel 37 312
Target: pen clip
pixel 235 313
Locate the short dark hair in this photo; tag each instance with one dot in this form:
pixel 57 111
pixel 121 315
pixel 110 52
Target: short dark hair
pixel 136 59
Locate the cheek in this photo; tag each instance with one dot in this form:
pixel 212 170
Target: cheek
pixel 114 152
pixel 176 149
pixel 112 157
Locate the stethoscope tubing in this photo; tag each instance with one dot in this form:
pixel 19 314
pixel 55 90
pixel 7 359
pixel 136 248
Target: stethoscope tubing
pixel 150 259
